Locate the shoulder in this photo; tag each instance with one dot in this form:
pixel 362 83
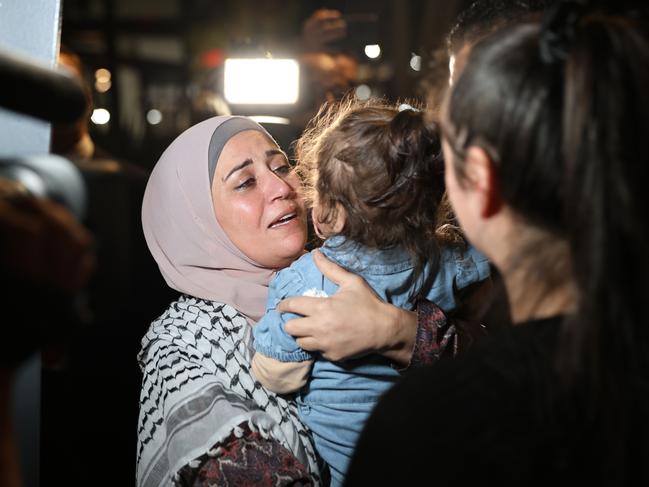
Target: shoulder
pixel 477 409
pixel 296 278
pixel 467 261
pixel 188 308
pixel 504 360
pixel 458 267
pixel 302 266
pixel 189 317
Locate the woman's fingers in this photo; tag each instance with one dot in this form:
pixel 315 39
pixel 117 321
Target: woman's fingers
pixel 332 271
pixel 309 344
pixel 299 305
pixel 300 327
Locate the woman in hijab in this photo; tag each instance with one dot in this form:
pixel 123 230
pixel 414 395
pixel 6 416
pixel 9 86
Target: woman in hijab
pixel 222 211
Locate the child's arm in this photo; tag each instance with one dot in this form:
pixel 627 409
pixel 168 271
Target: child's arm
pixel 280 377
pixel 279 363
pixel 459 273
pixel 323 326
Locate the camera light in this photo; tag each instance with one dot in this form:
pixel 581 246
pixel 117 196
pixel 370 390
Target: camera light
pixel 261 81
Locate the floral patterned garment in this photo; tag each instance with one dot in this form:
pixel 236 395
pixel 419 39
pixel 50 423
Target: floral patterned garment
pixel 245 459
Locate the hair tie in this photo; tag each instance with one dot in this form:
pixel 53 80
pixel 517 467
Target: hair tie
pixel 406 106
pixel 558 29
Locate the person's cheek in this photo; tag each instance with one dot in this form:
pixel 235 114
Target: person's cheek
pixel 293 180
pixel 247 213
pixel 296 184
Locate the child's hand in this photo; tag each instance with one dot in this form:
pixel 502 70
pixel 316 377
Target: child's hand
pixel 353 322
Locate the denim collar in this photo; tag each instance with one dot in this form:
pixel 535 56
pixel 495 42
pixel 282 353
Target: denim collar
pixel 359 258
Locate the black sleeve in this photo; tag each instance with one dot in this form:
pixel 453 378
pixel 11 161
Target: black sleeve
pixel 456 422
pixel 409 428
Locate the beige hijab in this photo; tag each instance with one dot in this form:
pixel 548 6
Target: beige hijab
pixel 193 252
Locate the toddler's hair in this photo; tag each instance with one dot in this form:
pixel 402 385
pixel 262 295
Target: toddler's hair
pixel 383 165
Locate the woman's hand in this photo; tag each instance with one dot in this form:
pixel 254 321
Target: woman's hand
pixel 353 322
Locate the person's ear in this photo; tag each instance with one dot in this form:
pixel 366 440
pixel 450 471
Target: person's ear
pixel 316 225
pixel 480 171
pixel 341 219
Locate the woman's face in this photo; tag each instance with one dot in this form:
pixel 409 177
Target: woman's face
pixel 257 200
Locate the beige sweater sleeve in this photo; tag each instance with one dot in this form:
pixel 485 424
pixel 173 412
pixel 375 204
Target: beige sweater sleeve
pixel 280 377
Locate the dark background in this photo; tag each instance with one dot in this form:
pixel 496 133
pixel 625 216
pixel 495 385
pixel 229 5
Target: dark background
pixel 163 54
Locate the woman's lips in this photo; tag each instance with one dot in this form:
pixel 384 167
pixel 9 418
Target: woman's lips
pixel 284 220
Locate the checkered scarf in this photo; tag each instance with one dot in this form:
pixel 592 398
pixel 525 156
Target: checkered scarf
pixel 198 387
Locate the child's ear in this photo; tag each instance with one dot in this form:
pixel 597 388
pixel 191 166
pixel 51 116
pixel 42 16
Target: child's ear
pixel 341 219
pixel 480 172
pixel 316 225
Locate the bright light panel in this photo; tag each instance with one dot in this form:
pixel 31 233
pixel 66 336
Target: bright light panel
pixel 261 81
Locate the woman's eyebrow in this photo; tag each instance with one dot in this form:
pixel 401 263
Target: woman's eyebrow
pixel 238 167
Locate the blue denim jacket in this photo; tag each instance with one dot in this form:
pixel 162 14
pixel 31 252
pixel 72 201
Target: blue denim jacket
pixel 339 397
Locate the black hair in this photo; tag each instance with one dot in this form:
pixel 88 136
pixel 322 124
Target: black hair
pixel 483 17
pixel 565 127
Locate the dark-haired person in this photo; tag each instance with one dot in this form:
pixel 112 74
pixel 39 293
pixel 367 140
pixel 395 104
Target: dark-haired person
pixel 482 18
pixel 546 168
pixel 374 177
pixel 479 19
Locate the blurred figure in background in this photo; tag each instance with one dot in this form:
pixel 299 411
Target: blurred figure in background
pixel 73 139
pixel 322 28
pixel 329 71
pixel 115 190
pixel 46 257
pixel 96 380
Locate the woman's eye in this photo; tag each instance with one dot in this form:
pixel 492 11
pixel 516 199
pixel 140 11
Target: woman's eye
pixel 246 184
pixel 282 170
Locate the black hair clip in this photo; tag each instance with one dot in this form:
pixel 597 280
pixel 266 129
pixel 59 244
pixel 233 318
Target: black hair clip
pixel 558 29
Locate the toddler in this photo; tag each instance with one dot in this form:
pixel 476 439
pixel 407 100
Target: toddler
pixel 374 178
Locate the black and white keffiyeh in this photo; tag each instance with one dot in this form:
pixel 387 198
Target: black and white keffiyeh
pixel 198 387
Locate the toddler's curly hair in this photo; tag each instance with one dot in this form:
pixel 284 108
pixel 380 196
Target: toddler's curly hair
pixel 383 165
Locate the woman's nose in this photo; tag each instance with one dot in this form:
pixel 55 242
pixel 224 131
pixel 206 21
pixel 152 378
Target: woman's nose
pixel 278 187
